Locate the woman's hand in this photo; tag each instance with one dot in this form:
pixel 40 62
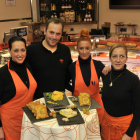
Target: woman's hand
pixel 126 137
pixel 1 134
pixel 68 93
pixel 106 70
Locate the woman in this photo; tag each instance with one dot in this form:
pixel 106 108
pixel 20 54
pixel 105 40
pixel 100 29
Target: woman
pixel 17 87
pixel 85 72
pixel 121 98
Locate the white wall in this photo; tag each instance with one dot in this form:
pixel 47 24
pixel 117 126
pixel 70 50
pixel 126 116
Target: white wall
pixel 21 10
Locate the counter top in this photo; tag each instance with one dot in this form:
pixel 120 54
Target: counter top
pixel 102 42
pixel 3 47
pixel 75 43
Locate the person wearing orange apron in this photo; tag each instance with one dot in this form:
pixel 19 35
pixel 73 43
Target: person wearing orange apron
pixel 92 89
pixel 121 98
pixel 17 87
pixel 85 72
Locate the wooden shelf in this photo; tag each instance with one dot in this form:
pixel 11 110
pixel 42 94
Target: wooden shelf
pixel 60 10
pixel 76 23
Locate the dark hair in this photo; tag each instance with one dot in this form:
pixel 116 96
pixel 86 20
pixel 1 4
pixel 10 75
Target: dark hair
pixel 84 36
pixel 117 46
pixel 16 38
pixel 54 20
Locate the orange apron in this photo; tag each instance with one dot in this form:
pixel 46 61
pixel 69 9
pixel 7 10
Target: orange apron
pixel 113 128
pixel 92 89
pixel 11 112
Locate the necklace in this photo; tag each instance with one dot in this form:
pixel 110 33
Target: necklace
pixel 111 84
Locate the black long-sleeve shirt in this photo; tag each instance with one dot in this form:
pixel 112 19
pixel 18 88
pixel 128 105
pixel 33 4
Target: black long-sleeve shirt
pixel 7 86
pixel 123 98
pixel 85 69
pixel 49 69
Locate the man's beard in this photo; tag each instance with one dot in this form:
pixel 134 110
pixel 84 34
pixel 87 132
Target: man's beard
pixel 47 41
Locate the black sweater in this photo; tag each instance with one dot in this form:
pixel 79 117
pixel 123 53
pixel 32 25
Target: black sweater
pixel 123 98
pixel 49 69
pixel 85 69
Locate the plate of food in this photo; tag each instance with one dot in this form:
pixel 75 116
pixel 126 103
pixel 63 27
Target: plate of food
pixel 102 46
pixel 110 44
pixel 68 116
pixel 130 45
pixel 135 48
pixel 37 111
pixel 84 101
pixel 56 99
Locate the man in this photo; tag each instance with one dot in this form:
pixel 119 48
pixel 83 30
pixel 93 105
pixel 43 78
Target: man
pixel 49 59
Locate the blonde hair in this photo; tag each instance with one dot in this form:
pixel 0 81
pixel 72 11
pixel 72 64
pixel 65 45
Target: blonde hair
pixel 84 36
pixel 117 46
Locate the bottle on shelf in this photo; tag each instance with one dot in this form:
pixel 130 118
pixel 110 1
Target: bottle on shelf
pixel 84 5
pixel 53 6
pixel 63 5
pixel 90 6
pixel 44 7
pixel 69 5
pixel 89 15
pixel 41 6
pixel 88 19
pixel 85 19
pixel 52 16
pixel 79 4
pixel 86 15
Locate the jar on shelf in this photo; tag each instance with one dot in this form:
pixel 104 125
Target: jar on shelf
pixel 72 15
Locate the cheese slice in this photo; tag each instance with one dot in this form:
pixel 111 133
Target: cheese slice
pixel 69 113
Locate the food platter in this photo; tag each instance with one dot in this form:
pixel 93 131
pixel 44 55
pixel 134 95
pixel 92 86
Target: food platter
pixel 130 45
pixel 50 103
pixel 74 120
pixel 31 116
pixel 94 104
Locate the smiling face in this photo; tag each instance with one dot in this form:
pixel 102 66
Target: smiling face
pixel 84 49
pixel 118 58
pixel 53 34
pixel 18 52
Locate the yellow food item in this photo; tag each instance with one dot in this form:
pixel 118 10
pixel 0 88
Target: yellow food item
pixel 68 112
pixel 101 46
pixel 131 45
pixel 39 110
pixel 57 95
pixel 32 105
pixel 52 102
pixel 84 99
pixel 84 94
